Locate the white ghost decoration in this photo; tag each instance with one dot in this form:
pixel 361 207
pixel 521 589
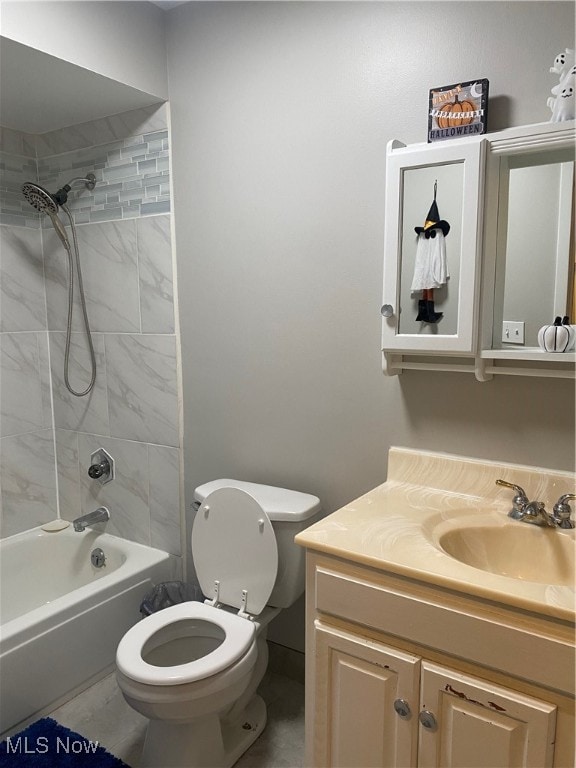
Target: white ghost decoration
pixel 561 103
pixel 430 267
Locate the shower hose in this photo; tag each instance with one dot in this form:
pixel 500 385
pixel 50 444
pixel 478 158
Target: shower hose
pixel 71 259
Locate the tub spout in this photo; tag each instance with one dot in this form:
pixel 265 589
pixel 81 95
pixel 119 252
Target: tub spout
pixel 100 515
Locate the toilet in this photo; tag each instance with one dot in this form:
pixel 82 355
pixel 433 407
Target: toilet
pixel 193 669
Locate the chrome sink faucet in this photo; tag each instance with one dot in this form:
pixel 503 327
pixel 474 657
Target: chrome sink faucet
pixel 534 512
pixel 100 515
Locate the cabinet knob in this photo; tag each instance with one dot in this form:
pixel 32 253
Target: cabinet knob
pixel 387 310
pixel 402 708
pixel 428 720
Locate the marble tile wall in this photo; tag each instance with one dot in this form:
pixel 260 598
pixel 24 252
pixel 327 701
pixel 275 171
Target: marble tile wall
pixel 27 459
pixel 124 236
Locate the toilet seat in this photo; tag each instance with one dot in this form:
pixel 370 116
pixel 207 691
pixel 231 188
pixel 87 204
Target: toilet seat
pixel 234 550
pixel 239 635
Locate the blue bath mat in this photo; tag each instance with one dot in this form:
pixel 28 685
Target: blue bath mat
pixel 47 744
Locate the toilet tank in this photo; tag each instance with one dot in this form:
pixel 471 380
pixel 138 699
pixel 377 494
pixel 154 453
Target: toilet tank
pixel 289 512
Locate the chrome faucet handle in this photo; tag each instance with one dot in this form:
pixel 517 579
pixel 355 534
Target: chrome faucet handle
pixel 519 502
pixel 562 511
pixel 102 466
pixel 97 470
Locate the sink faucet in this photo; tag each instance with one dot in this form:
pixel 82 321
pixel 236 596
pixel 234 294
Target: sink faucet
pixel 534 512
pixel 100 515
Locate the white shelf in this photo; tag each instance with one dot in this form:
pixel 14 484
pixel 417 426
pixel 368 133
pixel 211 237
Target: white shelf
pixel 534 354
pixel 486 364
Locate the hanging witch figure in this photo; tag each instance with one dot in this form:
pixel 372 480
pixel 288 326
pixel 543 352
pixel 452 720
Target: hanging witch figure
pixel 430 268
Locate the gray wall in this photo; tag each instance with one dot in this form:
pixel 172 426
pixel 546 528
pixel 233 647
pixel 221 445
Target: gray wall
pixel 280 117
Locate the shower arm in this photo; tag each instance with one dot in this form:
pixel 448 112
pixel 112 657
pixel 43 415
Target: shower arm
pixel 61 196
pixel 89 180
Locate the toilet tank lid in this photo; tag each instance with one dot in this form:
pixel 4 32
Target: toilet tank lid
pixel 280 504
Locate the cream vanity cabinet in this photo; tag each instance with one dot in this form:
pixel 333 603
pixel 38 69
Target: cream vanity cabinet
pixel 402 674
pixel 508 198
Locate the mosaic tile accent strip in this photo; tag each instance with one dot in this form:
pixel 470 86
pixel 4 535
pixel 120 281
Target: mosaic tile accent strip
pixel 132 178
pixel 132 170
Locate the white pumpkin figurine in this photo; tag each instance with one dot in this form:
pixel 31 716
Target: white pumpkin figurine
pixel 559 337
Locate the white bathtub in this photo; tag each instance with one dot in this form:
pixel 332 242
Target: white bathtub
pixel 61 618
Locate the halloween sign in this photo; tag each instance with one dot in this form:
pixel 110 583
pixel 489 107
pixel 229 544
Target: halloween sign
pixel 458 110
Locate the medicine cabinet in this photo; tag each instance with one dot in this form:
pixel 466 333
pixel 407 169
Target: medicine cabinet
pixel 509 200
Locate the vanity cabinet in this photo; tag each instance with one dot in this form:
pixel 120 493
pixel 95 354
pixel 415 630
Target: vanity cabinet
pixel 388 708
pixel 402 674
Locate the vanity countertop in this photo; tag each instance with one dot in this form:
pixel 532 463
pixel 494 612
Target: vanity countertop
pixel 395 527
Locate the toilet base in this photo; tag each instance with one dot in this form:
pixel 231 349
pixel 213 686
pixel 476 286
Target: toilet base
pixel 205 743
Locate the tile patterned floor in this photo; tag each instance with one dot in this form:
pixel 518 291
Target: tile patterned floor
pixel 101 714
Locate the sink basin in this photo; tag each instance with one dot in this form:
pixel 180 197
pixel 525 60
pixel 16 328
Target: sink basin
pixel 518 550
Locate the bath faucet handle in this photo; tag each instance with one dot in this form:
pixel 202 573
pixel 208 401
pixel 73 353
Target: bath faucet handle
pixel 519 502
pixel 97 470
pixel 102 466
pixel 562 511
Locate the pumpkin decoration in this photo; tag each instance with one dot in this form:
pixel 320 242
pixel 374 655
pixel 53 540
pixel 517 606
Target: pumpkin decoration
pixel 558 337
pixel 459 113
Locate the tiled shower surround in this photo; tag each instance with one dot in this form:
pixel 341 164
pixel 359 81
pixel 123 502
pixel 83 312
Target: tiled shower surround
pixel 124 236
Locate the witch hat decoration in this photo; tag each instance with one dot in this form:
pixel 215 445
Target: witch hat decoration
pixel 433 220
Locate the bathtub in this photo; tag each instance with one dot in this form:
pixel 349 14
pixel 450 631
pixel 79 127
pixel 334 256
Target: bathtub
pixel 61 617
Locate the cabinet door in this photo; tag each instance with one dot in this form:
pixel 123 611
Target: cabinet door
pixel 412 174
pixel 357 684
pixel 470 723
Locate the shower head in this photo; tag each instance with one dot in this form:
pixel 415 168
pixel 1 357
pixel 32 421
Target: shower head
pixel 39 198
pixel 44 202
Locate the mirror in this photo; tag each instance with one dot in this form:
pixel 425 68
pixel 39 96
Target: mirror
pixel 418 194
pixel 535 251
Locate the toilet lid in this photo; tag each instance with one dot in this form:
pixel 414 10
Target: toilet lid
pixel 233 542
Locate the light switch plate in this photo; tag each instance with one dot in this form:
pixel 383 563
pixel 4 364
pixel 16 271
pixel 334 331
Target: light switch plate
pixel 513 332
